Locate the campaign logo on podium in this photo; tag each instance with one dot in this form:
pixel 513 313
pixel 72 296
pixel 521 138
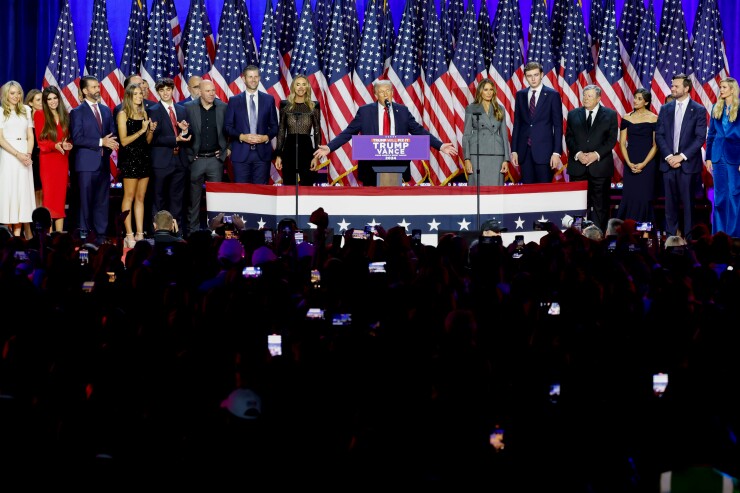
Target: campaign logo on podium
pixel 390 147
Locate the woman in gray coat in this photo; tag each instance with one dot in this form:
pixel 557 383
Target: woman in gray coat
pixel 485 134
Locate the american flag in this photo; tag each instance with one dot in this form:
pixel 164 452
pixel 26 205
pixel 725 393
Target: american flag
pixel 507 67
pixel 197 43
pixel 540 47
pixel 445 32
pixel 645 53
pixel 370 62
pixel 63 70
pixel 596 27
pixel 484 33
pixel 181 83
pixel 420 8
pixel 674 56
pixel 340 107
pixel 247 35
pixel 321 17
pixel 161 49
pixel 609 69
pixel 629 30
pixel 99 61
pixel 576 66
pixel 558 21
pixel 231 59
pixel 405 75
pixel 438 111
pixel 456 17
pixel 387 35
pixel 609 78
pixel 466 70
pixel 306 61
pixel 351 31
pixel 286 24
pixel 133 50
pixel 710 59
pixel 270 74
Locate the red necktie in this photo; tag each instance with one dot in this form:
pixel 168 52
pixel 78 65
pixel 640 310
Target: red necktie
pixel 173 119
pixel 387 122
pixel 97 117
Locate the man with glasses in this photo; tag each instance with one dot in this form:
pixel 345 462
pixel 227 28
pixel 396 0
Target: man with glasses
pixel 537 138
pixel 381 118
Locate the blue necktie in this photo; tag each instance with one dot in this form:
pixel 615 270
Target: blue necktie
pixel 252 115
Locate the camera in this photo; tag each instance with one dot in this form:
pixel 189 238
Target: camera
pixel 21 255
pixel 359 234
pixel 315 313
pixel 342 319
pixel 298 235
pixel 551 308
pixel 251 271
pixel 578 223
pixel 268 237
pixel 84 256
pixel 644 226
pixel 315 278
pixel 275 344
pixel 555 392
pixel 228 219
pixel 376 267
pixel 370 230
pixel 88 286
pixel 490 240
pixel 542 225
pixel 660 383
pixel 416 235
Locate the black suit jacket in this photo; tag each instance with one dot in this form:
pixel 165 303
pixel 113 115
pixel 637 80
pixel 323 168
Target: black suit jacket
pixel 192 110
pixel 602 137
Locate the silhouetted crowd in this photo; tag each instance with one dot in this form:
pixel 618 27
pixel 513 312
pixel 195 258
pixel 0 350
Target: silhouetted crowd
pixel 158 362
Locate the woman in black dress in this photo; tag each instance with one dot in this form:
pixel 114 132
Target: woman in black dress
pixel 134 160
pixel 300 120
pixel 637 141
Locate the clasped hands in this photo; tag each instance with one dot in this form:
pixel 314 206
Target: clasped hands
pixel 279 163
pixel 587 158
pixel 63 146
pixel 253 139
pixel 675 160
pixel 181 137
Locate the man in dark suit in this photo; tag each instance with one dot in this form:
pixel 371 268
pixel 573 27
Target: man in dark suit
pixel 537 138
pixel 251 122
pixel 680 134
pixel 209 147
pixel 590 136
pixel 92 128
pixel 169 162
pixel 369 120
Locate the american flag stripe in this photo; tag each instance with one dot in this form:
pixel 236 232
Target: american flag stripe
pixel 197 43
pixel 709 61
pixel 133 51
pixel 161 58
pixel 99 61
pixel 675 53
pixel 285 29
pixel 63 70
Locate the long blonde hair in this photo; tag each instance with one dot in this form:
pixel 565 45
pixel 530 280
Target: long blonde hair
pixel 720 106
pixel 494 102
pixel 307 98
pixel 19 108
pixel 128 102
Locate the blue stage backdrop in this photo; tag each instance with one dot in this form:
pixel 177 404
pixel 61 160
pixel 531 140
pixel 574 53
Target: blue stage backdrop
pixel 28 27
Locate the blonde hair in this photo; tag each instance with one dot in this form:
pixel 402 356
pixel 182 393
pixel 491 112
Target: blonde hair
pixel 128 102
pixel 720 106
pixel 19 108
pixel 494 102
pixel 307 99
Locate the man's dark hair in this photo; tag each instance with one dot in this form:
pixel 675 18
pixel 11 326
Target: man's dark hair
pixel 127 80
pixel 251 68
pixel 164 82
pixel 86 80
pixel 685 78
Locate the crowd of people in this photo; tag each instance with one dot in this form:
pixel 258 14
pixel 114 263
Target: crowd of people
pixel 526 366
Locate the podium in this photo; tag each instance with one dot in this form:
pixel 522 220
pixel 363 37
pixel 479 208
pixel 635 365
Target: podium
pixel 389 148
pixel 389 176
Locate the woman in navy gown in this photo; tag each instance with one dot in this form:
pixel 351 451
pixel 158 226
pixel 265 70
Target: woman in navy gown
pixel 637 141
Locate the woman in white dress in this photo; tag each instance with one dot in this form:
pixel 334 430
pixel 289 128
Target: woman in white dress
pixel 17 196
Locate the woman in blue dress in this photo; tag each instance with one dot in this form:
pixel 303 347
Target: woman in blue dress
pixel 723 159
pixel 637 142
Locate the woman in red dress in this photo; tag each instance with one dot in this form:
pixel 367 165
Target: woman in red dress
pixel 52 134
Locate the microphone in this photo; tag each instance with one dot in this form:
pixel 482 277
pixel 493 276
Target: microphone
pixel 477 111
pixel 387 104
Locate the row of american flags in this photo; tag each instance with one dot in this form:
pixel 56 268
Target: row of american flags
pixel 434 60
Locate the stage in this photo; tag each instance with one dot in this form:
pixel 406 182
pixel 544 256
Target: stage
pixel 431 209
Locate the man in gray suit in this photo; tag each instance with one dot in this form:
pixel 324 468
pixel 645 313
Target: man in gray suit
pixel 209 148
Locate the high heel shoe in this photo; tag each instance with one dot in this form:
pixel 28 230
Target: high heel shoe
pixel 128 241
pixel 139 236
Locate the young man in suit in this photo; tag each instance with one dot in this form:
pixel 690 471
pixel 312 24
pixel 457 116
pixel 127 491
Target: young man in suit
pixel 537 138
pixel 680 134
pixel 209 147
pixel 370 120
pixel 170 166
pixel 590 136
pixel 93 129
pixel 251 122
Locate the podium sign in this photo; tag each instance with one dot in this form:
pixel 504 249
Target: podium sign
pixel 390 147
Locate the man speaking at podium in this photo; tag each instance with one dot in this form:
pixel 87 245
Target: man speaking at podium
pixel 382 118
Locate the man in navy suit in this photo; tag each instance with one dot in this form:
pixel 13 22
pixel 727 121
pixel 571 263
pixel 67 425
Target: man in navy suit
pixel 92 128
pixel 537 138
pixel 169 161
pixel 590 136
pixel 369 121
pixel 251 122
pixel 680 134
